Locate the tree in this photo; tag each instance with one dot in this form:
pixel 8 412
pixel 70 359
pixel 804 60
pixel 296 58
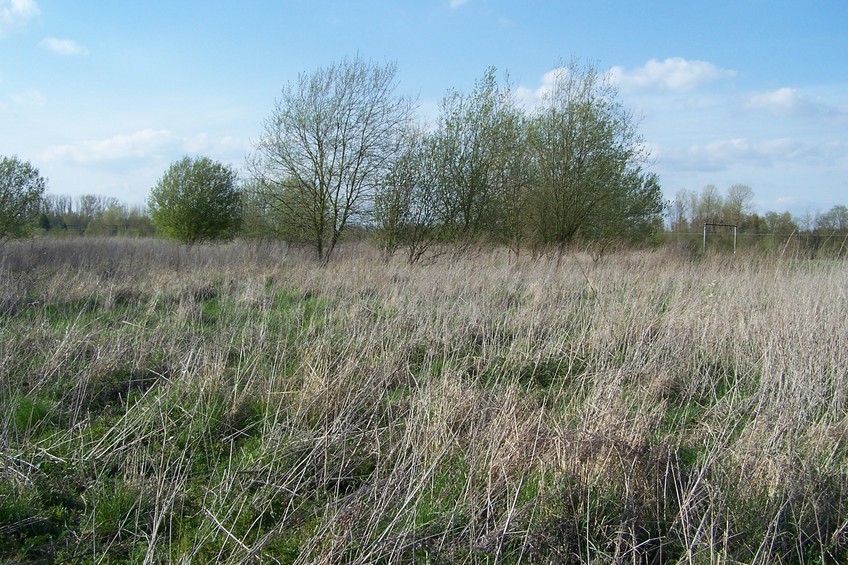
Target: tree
pixel 737 203
pixel 477 149
pixel 197 199
pixel 327 146
pixel 679 211
pixel 834 220
pixel 710 206
pixel 591 163
pixel 279 210
pixel 21 191
pixel 405 210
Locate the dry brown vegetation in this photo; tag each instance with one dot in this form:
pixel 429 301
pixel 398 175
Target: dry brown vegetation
pixel 239 403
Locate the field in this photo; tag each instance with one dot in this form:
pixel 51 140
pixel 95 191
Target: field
pixel 238 403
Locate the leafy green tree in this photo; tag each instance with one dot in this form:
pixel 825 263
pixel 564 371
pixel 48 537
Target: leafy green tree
pixel 329 143
pixel 21 191
pixel 197 199
pixel 591 179
pixel 478 150
pixel 464 148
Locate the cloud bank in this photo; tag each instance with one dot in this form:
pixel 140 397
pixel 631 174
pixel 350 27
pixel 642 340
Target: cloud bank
pixel 143 144
pixel 790 102
pixel 727 154
pixel 673 74
pixel 125 146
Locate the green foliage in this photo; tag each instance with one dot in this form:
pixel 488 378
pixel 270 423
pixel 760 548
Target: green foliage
pixel 573 169
pixel 473 157
pixel 404 207
pixel 591 177
pixel 834 220
pixel 21 191
pixel 196 200
pixel 30 412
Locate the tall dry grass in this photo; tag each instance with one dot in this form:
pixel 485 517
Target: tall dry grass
pixel 238 403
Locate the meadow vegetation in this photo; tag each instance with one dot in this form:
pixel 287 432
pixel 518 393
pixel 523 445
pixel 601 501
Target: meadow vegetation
pixel 240 403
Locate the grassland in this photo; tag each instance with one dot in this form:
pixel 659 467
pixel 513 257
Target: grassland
pixel 240 404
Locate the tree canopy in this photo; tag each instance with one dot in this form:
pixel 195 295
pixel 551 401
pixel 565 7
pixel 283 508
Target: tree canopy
pixel 328 144
pixel 197 199
pixel 573 168
pixel 21 191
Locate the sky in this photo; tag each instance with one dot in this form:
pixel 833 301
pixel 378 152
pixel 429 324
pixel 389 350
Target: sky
pixel 102 96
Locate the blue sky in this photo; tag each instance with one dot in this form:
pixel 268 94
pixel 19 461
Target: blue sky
pixel 103 95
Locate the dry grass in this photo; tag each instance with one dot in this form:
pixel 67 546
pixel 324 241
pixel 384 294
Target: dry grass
pixel 238 403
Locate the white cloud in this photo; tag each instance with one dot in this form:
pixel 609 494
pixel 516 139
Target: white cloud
pixel 62 47
pixel 530 98
pixel 16 13
pixel 780 101
pixel 725 154
pixel 139 144
pixel 217 147
pixel 148 144
pixel 785 102
pixel 674 74
pixel 457 3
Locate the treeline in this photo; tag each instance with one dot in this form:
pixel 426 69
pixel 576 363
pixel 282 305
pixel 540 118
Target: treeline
pixel 92 215
pixel 340 149
pixel 341 153
pixel 810 235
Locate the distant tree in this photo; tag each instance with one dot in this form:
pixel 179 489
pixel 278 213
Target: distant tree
pixel 710 206
pixel 327 146
pixel 780 223
pixel 56 209
pixel 91 214
pixel 197 199
pixel 113 220
pixel 737 204
pixel 21 191
pixel 138 222
pixel 834 220
pixel 679 211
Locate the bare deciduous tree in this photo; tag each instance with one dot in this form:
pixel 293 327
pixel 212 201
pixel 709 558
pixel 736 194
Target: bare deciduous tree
pixel 332 137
